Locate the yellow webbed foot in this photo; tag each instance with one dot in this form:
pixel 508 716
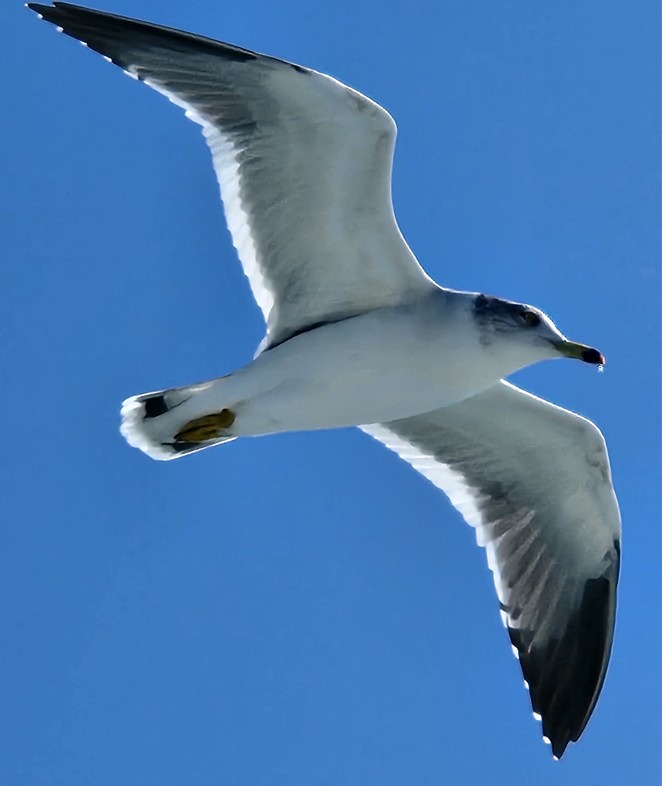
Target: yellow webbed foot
pixel 206 427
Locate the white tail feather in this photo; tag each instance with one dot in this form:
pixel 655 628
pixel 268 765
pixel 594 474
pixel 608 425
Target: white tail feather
pixel 152 422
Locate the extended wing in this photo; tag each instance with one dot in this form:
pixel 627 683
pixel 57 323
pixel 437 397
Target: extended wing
pixel 534 481
pixel 303 162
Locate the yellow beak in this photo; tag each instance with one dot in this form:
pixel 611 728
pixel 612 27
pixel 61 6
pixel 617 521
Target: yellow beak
pixel 570 349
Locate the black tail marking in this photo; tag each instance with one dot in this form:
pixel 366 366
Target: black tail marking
pixel 155 406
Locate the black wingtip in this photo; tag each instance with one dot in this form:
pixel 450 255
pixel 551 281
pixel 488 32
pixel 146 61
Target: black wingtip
pixel 110 34
pixel 45 10
pixel 565 675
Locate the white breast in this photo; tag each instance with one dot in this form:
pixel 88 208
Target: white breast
pixel 379 366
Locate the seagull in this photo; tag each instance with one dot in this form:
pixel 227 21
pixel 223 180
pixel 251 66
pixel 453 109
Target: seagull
pixel 358 335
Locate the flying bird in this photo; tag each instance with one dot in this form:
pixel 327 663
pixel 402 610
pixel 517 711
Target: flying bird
pixel 358 335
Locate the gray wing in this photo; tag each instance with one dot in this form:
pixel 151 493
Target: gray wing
pixel 303 162
pixel 534 481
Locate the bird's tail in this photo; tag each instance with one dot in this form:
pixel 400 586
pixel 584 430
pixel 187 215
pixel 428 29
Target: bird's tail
pixel 171 423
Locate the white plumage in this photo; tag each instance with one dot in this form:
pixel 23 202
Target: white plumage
pixel 358 334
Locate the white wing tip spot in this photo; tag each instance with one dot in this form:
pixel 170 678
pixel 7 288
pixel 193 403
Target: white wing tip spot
pixel 515 652
pixel 537 716
pixel 547 741
pixel 59 29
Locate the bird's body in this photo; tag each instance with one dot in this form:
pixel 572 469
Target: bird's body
pixel 358 335
pixel 384 365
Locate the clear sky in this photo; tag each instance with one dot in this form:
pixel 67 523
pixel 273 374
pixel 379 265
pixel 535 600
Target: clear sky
pixel 305 609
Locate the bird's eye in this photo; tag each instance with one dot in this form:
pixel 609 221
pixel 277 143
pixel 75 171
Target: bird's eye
pixel 530 317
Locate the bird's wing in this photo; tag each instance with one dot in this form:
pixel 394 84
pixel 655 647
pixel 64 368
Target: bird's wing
pixel 534 480
pixel 303 162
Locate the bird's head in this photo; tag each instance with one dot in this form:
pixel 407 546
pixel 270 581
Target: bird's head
pixel 525 333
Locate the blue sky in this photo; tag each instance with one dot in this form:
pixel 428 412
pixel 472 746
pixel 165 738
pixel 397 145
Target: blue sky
pixel 305 609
